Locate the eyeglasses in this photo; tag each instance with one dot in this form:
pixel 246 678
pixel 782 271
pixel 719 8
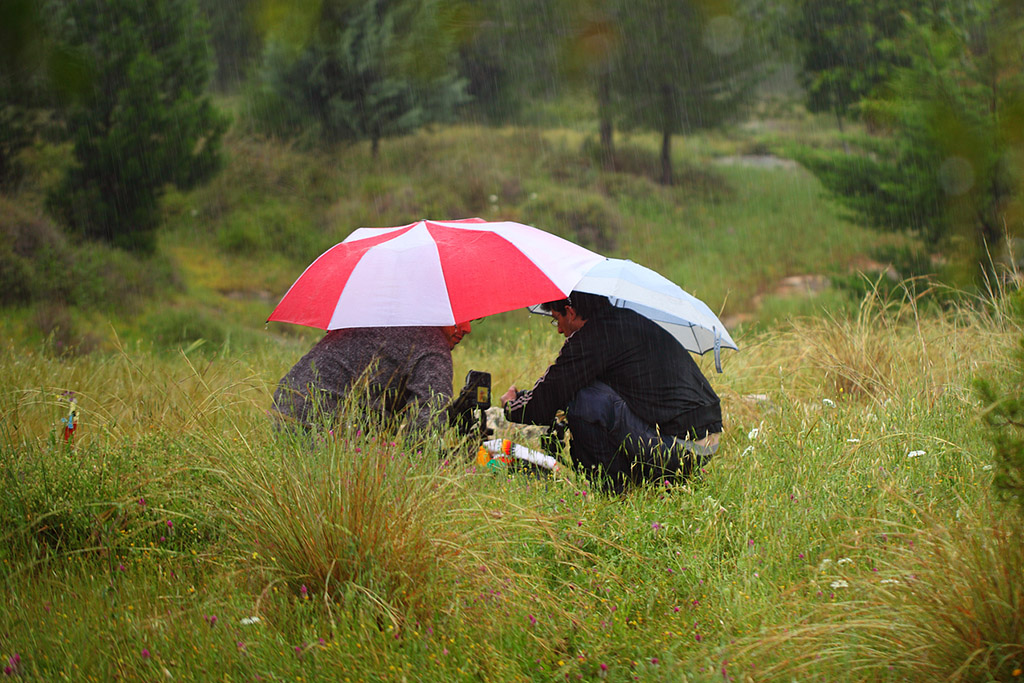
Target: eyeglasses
pixel 553 321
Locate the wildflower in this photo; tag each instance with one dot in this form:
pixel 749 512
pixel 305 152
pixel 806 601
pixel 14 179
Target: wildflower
pixel 304 591
pixel 145 653
pixel 853 441
pixel 885 581
pixel 839 583
pixel 654 660
pixel 248 621
pixel 828 402
pixel 211 619
pixel 987 468
pixel 604 667
pixel 824 563
pixel 844 560
pixel 750 541
pixel 170 524
pixel 655 526
pixel 142 502
pixel 914 454
pixel 533 619
pixel 697 637
pixel 752 434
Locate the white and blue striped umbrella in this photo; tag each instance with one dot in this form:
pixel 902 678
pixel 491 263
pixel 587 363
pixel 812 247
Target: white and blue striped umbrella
pixel 687 318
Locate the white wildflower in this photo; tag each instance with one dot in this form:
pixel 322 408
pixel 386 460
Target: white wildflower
pixel 987 468
pixel 824 564
pixel 914 454
pixel 248 621
pixel 887 581
pixel 853 441
pixel 746 450
pixel 752 434
pixel 829 402
pixel 839 583
pixel 844 560
pixel 493 199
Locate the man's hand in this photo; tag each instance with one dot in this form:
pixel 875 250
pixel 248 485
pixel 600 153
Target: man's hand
pixel 509 395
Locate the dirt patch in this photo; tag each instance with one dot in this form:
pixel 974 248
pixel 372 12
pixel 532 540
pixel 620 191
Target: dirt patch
pixel 768 161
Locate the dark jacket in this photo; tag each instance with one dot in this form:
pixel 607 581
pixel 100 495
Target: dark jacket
pixel 642 362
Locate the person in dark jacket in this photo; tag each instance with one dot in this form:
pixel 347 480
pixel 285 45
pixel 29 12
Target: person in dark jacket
pixel 638 407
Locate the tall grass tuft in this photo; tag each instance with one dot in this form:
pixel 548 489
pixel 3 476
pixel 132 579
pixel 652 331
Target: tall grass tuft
pixel 365 519
pixel 942 603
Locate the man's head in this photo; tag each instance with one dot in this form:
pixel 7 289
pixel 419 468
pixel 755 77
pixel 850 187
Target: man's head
pixel 571 314
pixel 455 333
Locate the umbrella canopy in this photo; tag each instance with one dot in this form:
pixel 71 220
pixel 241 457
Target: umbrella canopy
pixel 687 318
pixel 433 273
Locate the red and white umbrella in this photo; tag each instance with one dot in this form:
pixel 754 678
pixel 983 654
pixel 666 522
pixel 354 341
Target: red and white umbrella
pixel 433 273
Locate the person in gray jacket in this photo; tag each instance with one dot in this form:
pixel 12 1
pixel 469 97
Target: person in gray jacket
pixel 407 373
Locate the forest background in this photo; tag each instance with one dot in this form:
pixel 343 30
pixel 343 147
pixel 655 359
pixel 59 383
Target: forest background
pixel 841 182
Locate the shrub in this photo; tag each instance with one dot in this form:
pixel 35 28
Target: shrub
pixel 271 227
pixel 372 521
pixel 1004 416
pixel 176 328
pixel 584 217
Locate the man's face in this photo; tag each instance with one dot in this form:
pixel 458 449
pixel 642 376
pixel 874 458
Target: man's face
pixel 568 322
pixel 455 333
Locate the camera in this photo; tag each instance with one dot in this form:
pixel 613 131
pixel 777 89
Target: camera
pixel 475 397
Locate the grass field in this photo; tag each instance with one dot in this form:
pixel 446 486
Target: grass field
pixel 847 529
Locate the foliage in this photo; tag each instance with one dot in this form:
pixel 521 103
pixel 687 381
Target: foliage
pixel 40 266
pixel 511 57
pixel 847 50
pixel 948 168
pixel 888 183
pixel 145 120
pixel 235 39
pixel 367 71
pixel 34 69
pixel 1004 415
pixel 680 69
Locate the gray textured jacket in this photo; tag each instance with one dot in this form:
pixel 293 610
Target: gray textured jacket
pixel 406 368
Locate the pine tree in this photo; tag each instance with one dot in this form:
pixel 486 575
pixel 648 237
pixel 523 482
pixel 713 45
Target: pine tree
pixel 682 66
pixel 370 70
pixel 144 122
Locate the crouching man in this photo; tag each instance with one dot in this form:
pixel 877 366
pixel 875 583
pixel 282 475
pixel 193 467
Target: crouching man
pixel 639 409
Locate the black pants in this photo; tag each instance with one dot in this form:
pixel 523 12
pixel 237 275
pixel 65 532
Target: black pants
pixel 615 448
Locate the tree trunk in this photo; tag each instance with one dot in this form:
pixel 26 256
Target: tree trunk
pixel 666 139
pixel 839 122
pixel 604 105
pixel 666 157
